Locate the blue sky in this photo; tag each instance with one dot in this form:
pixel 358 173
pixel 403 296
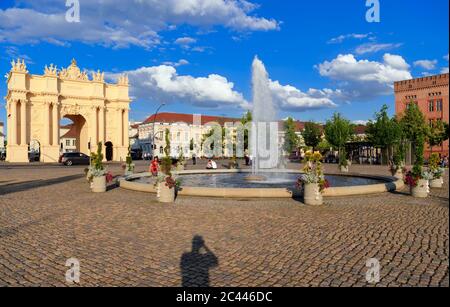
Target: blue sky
pixel 196 55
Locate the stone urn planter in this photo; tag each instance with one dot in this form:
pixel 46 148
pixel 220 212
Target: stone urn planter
pixel 398 174
pixel 344 169
pixel 312 195
pixel 436 183
pixel 98 184
pixel 421 190
pixel 165 194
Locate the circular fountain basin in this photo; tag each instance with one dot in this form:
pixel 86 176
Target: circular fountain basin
pixel 233 184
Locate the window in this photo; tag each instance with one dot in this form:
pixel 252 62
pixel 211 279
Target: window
pixel 67 142
pixel 431 106
pixel 73 142
pixel 439 105
pixel 161 150
pixel 430 122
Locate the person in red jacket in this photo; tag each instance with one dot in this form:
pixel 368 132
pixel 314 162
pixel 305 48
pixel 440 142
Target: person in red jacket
pixel 154 167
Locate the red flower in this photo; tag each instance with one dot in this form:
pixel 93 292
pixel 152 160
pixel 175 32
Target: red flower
pixel 109 177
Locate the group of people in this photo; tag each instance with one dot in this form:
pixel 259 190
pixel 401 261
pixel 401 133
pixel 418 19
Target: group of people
pixel 154 168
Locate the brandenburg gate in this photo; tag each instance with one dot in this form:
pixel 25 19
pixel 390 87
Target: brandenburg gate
pixel 35 105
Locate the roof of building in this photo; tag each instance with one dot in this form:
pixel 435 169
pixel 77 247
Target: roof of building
pixel 360 129
pixel 71 134
pixel 171 118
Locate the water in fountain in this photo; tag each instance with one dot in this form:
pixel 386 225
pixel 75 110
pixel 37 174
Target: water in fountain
pixel 264 111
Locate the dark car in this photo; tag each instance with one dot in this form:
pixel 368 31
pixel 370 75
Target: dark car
pixel 73 158
pixel 34 156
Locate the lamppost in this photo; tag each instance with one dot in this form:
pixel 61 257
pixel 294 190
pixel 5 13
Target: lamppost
pixel 154 121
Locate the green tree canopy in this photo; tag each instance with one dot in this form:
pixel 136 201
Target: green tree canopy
pixel 291 139
pixel 415 130
pixel 338 131
pixel 312 134
pixel 384 132
pixel 437 134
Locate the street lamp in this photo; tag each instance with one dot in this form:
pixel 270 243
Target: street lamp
pixel 154 121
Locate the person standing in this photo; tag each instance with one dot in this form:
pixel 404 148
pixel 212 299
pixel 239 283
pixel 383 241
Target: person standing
pixel 154 167
pixel 194 159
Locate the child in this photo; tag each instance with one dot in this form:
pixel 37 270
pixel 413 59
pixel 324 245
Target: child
pixel 154 167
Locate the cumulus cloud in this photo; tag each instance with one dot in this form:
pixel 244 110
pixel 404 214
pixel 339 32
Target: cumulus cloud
pixel 121 23
pixel 164 84
pixel 426 64
pixel 364 79
pixel 444 70
pixel 289 98
pixel 360 122
pixel 375 47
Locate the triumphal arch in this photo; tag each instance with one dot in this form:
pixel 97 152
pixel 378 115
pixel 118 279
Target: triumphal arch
pixel 36 104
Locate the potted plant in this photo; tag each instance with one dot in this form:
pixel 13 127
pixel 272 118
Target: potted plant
pixel 397 167
pixel 418 181
pixel 97 173
pixel 165 184
pixel 436 171
pixel 313 180
pixel 233 164
pixel 343 162
pixel 128 167
pixel 181 161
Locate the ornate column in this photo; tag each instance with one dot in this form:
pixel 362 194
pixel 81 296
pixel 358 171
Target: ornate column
pixel 13 123
pixel 55 124
pixel 125 128
pixel 46 124
pixel 101 125
pixel 23 123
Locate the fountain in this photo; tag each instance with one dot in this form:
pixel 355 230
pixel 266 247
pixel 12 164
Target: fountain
pixel 264 113
pixel 266 179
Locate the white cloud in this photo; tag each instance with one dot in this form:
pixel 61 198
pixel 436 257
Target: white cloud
pixel 121 23
pixel 290 98
pixel 365 79
pixel 375 47
pixel 162 83
pixel 341 38
pixel 444 70
pixel 426 64
pixel 185 41
pixel 446 57
pixel 181 62
pixel 360 122
pixel 13 53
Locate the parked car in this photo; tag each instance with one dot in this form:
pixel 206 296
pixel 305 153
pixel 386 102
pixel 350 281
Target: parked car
pixel 73 158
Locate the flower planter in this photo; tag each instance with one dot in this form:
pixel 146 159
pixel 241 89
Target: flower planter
pixel 399 174
pixel 437 183
pixel 166 195
pixel 344 169
pixel 312 195
pixel 421 190
pixel 98 184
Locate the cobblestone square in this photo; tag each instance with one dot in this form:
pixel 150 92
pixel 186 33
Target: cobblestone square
pixel 125 238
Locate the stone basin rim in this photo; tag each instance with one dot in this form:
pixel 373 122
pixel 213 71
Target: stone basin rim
pixel 390 184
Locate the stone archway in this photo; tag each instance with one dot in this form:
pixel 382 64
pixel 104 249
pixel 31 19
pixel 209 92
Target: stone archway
pixel 36 103
pixel 79 131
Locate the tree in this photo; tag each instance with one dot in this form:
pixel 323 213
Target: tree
pixel 437 134
pixel 338 132
pixel 312 134
pixel 323 146
pixel 291 139
pixel 415 130
pixel 247 118
pixel 384 132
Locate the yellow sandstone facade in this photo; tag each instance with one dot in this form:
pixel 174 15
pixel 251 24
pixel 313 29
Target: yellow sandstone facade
pixel 35 105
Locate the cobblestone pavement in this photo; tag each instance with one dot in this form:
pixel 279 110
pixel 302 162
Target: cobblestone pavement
pixel 125 238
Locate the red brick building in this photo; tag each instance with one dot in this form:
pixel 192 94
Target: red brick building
pixel 431 95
